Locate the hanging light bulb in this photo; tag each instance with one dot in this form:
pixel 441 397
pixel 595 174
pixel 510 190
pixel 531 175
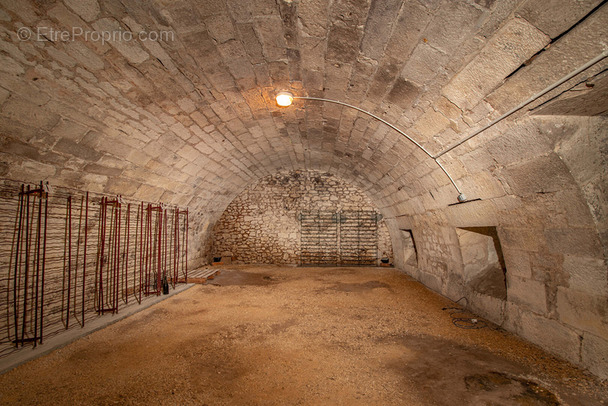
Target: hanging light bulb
pixel 284 99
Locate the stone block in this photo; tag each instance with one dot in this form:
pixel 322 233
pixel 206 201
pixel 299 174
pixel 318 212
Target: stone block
pixel 169 141
pixel 488 307
pixel 3 95
pixel 23 9
pixel 482 185
pixel 28 113
pixel 424 64
pixel 551 335
pixel 102 170
pixel 574 241
pixel 138 157
pixel 473 214
pixel 189 153
pixel 187 105
pixel 117 186
pixel 10 66
pixel 68 19
pixel 131 50
pixel 555 16
pixel 87 9
pixel 270 32
pixel 512 45
pixel 314 18
pixel 594 355
pixel 541 175
pixel 61 57
pixel 84 55
pixel 452 24
pixel 70 130
pixel 220 28
pixel 564 56
pixel 343 43
pixel 521 142
pixel 517 263
pixel 403 93
pixel 378 27
pixel 148 193
pixel 68 146
pixel 431 123
pixel 586 311
pixel 525 239
pixel 431 281
pixel 28 169
pixel 528 293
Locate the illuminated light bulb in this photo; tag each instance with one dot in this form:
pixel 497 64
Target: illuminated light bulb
pixel 284 99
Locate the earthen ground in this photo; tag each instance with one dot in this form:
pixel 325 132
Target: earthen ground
pixel 300 336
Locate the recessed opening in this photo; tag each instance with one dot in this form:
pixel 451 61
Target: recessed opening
pixel 410 254
pixel 484 264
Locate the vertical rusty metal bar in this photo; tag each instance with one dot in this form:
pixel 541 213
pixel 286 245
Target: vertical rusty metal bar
pixel 141 248
pixel 159 268
pixel 46 216
pixel 186 232
pixel 126 270
pixel 117 256
pixel 84 260
pixel 146 256
pixel 175 242
pixel 38 231
pixel 78 239
pixel 102 233
pixel 69 242
pixel 17 275
pixel 165 243
pixel 110 265
pixel 27 260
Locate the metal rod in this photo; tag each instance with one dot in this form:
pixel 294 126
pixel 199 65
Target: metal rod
pixel 141 248
pixel 186 232
pixel 69 269
pixel 165 244
pixel 147 253
pixel 461 196
pixel 524 104
pixel 46 216
pixel 117 256
pixel 78 258
pixel 160 245
pixel 175 242
pixel 27 261
pixel 38 230
pixel 17 275
pixel 102 225
pixel 84 264
pixel 126 270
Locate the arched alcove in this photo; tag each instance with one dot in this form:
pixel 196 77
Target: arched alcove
pixel 302 217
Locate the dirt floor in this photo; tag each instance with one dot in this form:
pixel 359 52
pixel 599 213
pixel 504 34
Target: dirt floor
pixel 300 336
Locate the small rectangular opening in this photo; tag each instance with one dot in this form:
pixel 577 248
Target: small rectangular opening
pixel 410 254
pixel 483 261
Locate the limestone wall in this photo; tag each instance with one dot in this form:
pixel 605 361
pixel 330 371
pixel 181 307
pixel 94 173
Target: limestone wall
pixel 261 225
pixel 547 219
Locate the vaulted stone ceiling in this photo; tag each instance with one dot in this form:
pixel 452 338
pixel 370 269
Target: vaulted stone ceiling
pixel 173 101
pixel 190 119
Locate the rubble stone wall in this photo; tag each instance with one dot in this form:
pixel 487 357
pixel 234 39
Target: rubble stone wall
pixel 262 226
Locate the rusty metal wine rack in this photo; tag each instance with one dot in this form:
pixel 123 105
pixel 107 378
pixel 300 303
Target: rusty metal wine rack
pixel 347 237
pixel 68 256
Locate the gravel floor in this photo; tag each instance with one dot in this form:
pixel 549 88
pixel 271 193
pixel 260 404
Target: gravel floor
pixel 299 336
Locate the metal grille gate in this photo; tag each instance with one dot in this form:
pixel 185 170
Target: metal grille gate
pixel 348 237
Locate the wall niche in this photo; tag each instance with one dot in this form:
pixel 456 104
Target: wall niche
pixel 484 264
